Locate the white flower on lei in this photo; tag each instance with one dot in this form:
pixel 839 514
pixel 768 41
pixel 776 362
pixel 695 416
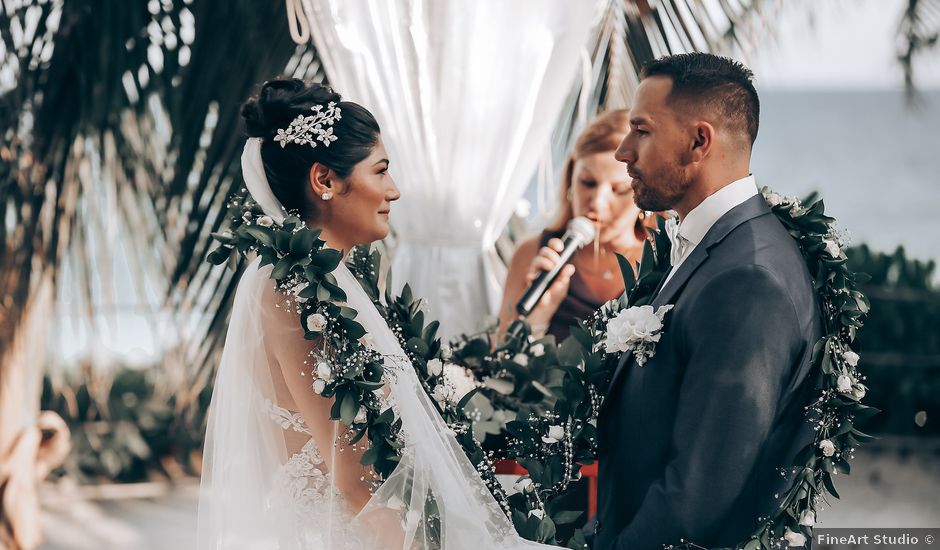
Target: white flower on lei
pixel 435 367
pixel 265 221
pixel 794 538
pixel 315 323
pixel 555 434
pixel 832 247
pixel 851 358
pixel 636 329
pixel 827 447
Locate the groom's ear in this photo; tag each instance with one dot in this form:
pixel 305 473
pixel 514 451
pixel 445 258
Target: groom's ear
pixel 321 179
pixel 703 138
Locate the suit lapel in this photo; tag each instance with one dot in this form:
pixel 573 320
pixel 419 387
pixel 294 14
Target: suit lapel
pixel 749 209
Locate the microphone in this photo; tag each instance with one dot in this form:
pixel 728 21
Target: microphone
pixel 580 232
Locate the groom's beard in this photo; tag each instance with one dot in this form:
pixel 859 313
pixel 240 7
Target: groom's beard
pixel 661 189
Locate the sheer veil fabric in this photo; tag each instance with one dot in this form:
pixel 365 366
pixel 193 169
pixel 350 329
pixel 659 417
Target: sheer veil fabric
pixel 266 484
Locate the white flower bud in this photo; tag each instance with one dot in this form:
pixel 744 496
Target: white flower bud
pixel 794 539
pixel 265 221
pixel 858 391
pixel 435 367
pixel 315 322
pixel 537 350
pixel 538 513
pixel 832 247
pixel 446 352
pixel 318 386
pixel 774 199
pixel 555 434
pixel 844 383
pixel 827 447
pixel 524 485
pixel 324 371
pixel 808 518
pixel 521 359
pixel 851 358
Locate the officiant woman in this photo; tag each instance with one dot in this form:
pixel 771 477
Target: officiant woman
pixel 596 186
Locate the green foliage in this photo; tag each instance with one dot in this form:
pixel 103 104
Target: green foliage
pixel 124 427
pixel 901 341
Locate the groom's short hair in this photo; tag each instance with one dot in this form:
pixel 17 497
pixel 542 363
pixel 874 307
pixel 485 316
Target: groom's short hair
pixel 703 81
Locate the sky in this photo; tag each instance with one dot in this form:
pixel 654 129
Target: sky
pixel 835 45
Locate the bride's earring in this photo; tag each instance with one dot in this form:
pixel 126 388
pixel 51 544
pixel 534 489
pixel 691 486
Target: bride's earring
pixel 326 196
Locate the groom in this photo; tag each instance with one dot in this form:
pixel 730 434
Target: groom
pixel 691 443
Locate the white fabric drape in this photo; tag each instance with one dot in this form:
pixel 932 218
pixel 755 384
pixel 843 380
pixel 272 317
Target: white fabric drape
pixel 467 93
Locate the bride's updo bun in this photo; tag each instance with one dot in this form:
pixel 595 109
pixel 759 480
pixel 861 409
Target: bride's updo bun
pixel 287 168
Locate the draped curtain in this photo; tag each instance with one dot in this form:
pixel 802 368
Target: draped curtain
pixel 467 94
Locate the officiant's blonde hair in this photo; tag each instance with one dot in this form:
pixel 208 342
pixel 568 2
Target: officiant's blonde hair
pixel 603 134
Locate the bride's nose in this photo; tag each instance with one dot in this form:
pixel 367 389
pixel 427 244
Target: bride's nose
pixel 393 194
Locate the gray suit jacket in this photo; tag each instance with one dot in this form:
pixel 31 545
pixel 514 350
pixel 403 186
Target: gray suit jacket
pixel 690 444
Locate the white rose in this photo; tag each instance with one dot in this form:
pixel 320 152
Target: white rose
pixel 360 416
pixel 265 221
pixel 827 447
pixel 537 513
pixel 555 434
pixel 318 386
pixel 630 326
pixel 524 485
pixel 858 391
pixel 435 367
pixel 808 518
pixel 537 350
pixel 521 359
pixel 774 199
pixel 324 371
pixel 794 539
pixel 315 322
pixel 851 358
pixel 246 216
pixel 832 247
pixel 844 383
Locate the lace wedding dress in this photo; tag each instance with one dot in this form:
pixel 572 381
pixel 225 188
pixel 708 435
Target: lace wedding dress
pixel 266 484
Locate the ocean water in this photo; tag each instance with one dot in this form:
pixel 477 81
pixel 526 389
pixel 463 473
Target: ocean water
pixel 874 159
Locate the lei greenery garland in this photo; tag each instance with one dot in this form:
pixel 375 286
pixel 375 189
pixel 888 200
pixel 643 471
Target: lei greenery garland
pixel 554 391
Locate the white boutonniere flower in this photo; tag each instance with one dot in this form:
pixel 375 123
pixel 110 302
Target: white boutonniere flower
pixel 637 330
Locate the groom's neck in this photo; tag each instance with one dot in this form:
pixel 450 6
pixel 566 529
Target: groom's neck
pixel 707 183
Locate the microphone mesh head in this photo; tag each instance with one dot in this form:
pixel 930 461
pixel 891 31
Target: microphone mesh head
pixel 582 228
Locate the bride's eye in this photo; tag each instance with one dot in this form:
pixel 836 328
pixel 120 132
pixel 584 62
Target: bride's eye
pixel 590 184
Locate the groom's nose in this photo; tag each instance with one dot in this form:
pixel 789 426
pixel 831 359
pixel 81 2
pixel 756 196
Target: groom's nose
pixel 625 152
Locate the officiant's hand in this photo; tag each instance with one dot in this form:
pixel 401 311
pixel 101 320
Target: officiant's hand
pixel 546 259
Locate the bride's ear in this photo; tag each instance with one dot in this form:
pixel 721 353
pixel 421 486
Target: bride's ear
pixel 321 180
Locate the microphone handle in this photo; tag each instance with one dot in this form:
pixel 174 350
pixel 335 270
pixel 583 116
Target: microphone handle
pixel 545 278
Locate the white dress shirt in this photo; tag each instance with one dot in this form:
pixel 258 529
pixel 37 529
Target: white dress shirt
pixel 697 222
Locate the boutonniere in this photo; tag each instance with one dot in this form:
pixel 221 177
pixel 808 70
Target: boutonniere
pixel 636 329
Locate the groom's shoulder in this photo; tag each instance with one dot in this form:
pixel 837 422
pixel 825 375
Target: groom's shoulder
pixel 763 245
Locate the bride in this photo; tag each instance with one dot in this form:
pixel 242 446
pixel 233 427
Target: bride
pixel 278 472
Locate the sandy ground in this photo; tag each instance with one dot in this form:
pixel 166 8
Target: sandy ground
pixel 890 486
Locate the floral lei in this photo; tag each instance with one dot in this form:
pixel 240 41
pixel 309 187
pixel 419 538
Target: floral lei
pixel 554 391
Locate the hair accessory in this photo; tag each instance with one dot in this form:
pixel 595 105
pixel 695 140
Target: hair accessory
pixel 308 130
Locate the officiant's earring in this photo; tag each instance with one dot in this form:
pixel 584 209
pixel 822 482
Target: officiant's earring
pixel 326 196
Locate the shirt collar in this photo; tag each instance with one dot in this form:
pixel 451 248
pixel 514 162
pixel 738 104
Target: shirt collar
pixel 697 222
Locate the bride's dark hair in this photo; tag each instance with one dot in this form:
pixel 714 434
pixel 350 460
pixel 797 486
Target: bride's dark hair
pixel 287 168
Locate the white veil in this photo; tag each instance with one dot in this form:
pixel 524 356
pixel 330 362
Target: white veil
pixel 246 454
